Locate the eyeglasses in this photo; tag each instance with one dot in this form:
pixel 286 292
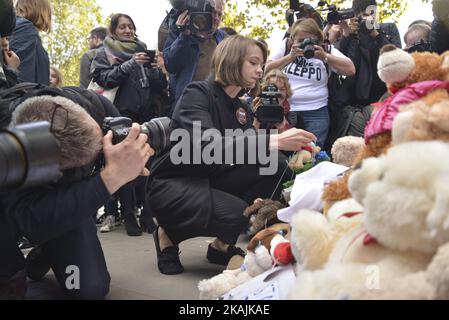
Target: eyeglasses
pixel 65 115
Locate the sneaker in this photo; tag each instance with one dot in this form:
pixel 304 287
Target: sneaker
pixel 108 224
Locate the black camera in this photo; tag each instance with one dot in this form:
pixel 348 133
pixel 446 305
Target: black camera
pixel 29 156
pixel 200 13
pixel 336 16
pixel 303 10
pixel 420 46
pixel 270 111
pixel 158 131
pixel 308 45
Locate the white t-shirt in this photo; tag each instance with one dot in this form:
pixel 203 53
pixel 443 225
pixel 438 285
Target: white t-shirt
pixel 308 79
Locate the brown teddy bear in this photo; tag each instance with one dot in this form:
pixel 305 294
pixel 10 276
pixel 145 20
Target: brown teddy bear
pixel 262 214
pixel 408 77
pixel 301 158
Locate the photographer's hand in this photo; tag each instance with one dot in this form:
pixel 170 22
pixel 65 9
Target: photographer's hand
pixel 291 140
pixel 11 59
pixel 345 28
pixel 296 51
pixel 125 161
pixel 182 21
pixel 353 26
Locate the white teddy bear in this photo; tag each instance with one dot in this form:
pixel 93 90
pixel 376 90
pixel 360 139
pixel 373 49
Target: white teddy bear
pixel 405 195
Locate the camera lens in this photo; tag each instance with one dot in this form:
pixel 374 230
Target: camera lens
pixel 309 52
pixel 158 132
pixel 29 155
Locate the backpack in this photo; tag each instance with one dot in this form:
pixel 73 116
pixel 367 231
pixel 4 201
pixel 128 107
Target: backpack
pixel 349 121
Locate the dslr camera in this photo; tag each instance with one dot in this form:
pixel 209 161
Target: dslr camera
pixel 308 45
pixel 29 156
pixel 270 111
pixel 200 14
pixel 158 131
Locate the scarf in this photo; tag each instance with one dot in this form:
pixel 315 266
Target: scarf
pixel 119 51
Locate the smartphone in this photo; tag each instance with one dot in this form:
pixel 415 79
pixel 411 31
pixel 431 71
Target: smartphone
pixel 151 54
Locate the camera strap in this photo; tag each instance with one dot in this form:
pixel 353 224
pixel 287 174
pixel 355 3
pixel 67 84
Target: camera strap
pixel 280 180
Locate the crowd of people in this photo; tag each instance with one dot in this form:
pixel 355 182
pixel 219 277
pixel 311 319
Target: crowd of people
pixel 213 77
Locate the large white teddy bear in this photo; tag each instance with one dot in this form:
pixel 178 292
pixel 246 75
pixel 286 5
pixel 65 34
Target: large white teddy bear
pixel 405 195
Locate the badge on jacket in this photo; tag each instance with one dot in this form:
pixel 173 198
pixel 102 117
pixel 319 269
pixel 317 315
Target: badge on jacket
pixel 242 116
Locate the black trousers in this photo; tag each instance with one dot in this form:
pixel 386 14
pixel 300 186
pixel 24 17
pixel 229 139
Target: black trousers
pixel 79 250
pixel 235 188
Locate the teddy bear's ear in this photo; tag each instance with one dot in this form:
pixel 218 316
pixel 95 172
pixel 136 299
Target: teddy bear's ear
pixel 445 63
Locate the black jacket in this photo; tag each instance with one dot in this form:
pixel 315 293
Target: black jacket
pixel 365 87
pixel 131 99
pixel 439 37
pixel 47 212
pixel 180 195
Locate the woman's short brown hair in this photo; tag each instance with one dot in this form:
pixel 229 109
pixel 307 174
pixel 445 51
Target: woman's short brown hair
pixel 310 26
pixel 228 59
pixel 37 11
pixel 59 76
pixel 277 74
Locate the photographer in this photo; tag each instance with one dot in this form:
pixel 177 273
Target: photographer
pixel 417 38
pixel 124 64
pixel 308 66
pixel 439 36
pixel 188 54
pixel 200 198
pixel 361 42
pixel 58 216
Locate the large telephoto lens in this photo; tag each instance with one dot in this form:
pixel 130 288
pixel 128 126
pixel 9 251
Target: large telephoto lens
pixel 29 156
pixel 158 132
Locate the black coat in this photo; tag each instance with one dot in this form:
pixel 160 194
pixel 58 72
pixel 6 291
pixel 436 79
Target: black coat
pixel 180 195
pixel 439 36
pixel 27 44
pixel 131 99
pixel 365 87
pixel 47 212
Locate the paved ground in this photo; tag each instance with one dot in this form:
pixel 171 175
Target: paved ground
pixel 132 264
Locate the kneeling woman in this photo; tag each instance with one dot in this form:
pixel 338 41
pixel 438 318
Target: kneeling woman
pixel 203 199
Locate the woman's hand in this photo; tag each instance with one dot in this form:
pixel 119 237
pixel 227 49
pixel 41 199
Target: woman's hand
pixel 354 26
pixel 11 59
pixel 296 51
pixel 141 58
pixel 291 140
pixel 320 53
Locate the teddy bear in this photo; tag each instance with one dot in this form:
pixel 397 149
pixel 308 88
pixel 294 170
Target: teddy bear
pixel 262 214
pixel 423 120
pixel 404 222
pixel 408 77
pixel 303 157
pixel 264 250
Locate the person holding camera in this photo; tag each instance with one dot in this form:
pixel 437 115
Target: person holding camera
pixel 362 40
pixel 124 64
pixel 188 53
pixel 416 38
pixel 199 198
pixel 439 35
pixel 58 216
pixel 308 66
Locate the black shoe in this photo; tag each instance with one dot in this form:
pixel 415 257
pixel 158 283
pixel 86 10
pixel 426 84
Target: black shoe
pixel 147 225
pixel 222 258
pixel 36 264
pixel 132 228
pixel 168 259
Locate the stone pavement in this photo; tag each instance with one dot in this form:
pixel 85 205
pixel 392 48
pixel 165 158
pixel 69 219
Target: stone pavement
pixel 133 268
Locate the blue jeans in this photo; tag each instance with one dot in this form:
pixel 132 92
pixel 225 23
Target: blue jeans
pixel 317 122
